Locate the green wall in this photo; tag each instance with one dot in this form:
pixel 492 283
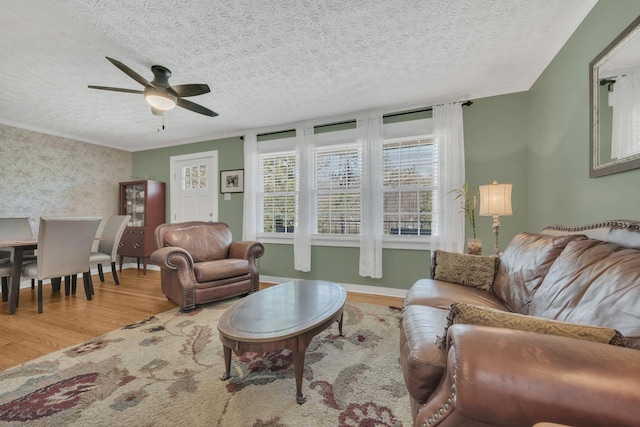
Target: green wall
pixel 492 125
pixel 559 188
pixel 536 140
pixel 154 164
pixel 401 268
pixel 495 143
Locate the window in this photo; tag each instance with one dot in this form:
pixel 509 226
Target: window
pixel 194 177
pixel 410 182
pixel 409 167
pixel 337 184
pixel 276 198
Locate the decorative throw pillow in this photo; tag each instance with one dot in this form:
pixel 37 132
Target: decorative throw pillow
pixel 463 269
pixel 483 316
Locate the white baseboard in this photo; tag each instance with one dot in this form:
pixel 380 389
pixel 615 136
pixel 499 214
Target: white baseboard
pixel 363 289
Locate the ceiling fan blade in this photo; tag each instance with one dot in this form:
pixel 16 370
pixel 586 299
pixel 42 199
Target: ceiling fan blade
pixel 191 89
pixel 195 107
pixel 128 71
pixel 116 89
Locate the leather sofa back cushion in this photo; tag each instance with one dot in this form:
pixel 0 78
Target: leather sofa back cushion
pixel 203 242
pixel 593 282
pixel 524 263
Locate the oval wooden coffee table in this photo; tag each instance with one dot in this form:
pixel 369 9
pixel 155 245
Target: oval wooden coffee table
pixel 285 316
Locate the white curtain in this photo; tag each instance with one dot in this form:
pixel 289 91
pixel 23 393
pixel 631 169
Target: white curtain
pixel 449 135
pixel 625 100
pixel 251 185
pixel 303 224
pixel 370 138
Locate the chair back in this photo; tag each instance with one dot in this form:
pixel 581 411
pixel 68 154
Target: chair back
pixel 15 228
pixel 112 233
pixel 64 245
pixel 205 241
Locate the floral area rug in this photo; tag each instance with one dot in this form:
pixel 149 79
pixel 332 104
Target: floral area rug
pixel 165 371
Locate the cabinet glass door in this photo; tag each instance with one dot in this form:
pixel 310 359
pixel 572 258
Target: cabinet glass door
pixel 134 204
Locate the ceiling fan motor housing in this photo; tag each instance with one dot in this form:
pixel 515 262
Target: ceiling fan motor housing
pixel 160 76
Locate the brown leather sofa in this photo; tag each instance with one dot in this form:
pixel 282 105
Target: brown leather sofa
pixel 200 263
pixel 498 376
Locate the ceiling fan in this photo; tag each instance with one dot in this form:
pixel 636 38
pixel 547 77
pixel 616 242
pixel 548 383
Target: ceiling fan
pixel 159 94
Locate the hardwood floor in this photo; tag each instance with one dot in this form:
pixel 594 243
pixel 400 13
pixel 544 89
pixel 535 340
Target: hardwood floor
pixel 72 320
pixel 365 298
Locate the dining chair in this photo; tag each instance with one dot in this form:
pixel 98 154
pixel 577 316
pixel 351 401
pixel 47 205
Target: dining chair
pixel 64 248
pixel 108 246
pixel 5 272
pixel 15 228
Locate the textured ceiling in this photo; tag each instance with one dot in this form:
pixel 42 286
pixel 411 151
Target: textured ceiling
pixel 268 62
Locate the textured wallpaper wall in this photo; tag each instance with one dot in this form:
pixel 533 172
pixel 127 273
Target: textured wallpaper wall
pixel 48 175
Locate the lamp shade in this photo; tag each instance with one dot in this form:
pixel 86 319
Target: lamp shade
pixel 495 199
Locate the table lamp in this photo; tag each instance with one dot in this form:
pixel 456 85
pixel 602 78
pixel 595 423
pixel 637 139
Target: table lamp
pixel 495 200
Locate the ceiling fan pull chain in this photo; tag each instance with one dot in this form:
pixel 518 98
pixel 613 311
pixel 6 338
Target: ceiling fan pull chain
pixel 160 119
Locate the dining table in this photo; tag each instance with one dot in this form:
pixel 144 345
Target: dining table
pixel 17 246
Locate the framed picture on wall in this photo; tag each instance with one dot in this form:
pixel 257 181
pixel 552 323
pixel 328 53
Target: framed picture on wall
pixel 232 181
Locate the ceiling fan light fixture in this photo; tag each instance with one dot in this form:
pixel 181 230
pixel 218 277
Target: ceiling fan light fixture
pixel 160 100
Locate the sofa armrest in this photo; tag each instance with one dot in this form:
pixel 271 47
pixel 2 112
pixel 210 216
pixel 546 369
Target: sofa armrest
pixel 248 250
pixel 172 258
pixel 504 377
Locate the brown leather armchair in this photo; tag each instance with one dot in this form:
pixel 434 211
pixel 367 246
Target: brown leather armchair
pixel 200 263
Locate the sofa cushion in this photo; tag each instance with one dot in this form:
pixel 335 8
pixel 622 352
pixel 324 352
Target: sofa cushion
pixel 209 271
pixel 462 313
pixel 524 264
pixel 463 269
pixel 596 283
pixel 203 242
pixel 439 294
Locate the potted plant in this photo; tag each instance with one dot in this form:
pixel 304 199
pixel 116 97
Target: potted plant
pixel 468 202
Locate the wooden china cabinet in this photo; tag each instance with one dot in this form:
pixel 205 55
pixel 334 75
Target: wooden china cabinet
pixel 145 201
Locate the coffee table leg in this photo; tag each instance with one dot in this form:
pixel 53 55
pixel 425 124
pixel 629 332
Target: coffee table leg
pixel 298 365
pixel 340 325
pixel 227 363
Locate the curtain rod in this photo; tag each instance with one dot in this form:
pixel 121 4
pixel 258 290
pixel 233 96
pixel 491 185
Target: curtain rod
pixel 404 113
pixel 423 110
pixel 346 122
pixel 609 83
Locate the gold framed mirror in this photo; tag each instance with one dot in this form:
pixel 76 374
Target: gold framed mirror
pixel 614 95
